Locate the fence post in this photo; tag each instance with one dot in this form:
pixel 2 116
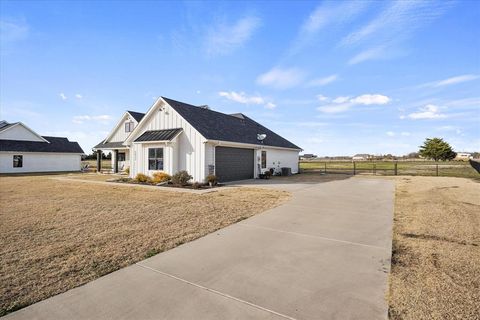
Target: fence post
pixel 354 168
pixel 325 168
pixel 396 169
pixel 436 168
pixel 375 169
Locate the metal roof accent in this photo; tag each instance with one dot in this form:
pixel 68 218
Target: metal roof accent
pixel 159 135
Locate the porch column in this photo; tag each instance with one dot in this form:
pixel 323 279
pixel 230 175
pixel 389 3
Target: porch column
pixel 99 160
pixel 115 162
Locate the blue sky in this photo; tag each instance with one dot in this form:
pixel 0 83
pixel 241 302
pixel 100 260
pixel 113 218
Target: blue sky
pixel 336 78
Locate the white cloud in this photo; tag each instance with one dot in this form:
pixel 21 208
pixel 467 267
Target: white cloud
pixel 335 108
pixel 327 14
pixel 270 105
pixel 394 25
pixel 223 39
pixel 390 133
pixel 198 92
pixel 405 134
pixel 344 103
pixel 243 98
pixel 281 78
pixel 430 111
pixel 62 96
pixel 369 54
pixel 341 99
pixel 452 80
pixel 322 98
pixel 78 96
pixel 323 81
pixel 100 118
pixel 368 99
pixel 13 30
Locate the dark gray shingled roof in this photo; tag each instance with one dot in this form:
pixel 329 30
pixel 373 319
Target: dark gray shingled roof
pixel 56 144
pixel 136 115
pixel 4 125
pixel 109 145
pixel 159 135
pixel 215 125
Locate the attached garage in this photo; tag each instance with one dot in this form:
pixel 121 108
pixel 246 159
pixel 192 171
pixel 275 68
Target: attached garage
pixel 233 164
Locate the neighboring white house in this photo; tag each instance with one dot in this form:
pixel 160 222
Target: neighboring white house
pixel 23 150
pixel 174 136
pixel 361 156
pixel 463 156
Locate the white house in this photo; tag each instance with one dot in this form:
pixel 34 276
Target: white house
pixel 463 156
pixel 174 136
pixel 22 150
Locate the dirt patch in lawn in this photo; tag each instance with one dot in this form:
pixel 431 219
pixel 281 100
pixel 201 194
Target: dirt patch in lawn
pixel 436 249
pixel 56 235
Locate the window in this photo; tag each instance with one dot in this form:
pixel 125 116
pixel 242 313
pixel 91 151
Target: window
pixel 121 156
pixel 17 161
pixel 155 159
pixel 264 159
pixel 129 126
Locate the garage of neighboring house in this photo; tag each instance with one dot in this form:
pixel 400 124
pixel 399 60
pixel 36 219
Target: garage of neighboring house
pixel 233 164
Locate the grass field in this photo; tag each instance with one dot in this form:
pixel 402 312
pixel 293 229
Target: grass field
pixel 415 168
pixel 436 249
pixel 56 235
pixel 106 164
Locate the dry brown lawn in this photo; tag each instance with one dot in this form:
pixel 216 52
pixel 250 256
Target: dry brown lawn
pixel 56 235
pixel 436 249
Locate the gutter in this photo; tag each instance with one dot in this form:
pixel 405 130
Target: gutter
pixel 249 145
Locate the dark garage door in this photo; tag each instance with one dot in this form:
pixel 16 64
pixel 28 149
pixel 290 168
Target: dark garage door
pixel 233 163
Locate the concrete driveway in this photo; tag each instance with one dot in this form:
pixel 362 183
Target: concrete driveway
pixel 323 255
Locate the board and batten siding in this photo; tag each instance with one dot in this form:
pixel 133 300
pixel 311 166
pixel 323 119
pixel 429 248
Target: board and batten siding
pixel 119 135
pixel 19 132
pixel 40 162
pixel 187 151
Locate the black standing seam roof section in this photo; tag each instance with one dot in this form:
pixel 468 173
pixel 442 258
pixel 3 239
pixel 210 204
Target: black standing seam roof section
pixel 159 135
pixel 138 116
pixel 57 144
pixel 110 145
pixel 215 125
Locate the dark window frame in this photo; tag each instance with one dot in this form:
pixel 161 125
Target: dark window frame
pixel 129 126
pixel 155 158
pixel 18 160
pixel 264 159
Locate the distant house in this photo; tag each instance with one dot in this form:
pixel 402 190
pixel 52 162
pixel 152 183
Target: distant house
pixel 174 136
pixel 361 156
pixel 23 150
pixel 308 156
pixel 463 156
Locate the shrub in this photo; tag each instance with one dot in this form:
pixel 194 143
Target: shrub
pixel 159 177
pixel 127 170
pixel 143 178
pixel 196 185
pixel 211 178
pixel 181 178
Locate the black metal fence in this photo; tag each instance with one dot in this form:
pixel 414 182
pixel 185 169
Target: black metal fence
pixel 391 168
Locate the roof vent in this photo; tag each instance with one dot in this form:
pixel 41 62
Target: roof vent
pixel 238 115
pixel 205 106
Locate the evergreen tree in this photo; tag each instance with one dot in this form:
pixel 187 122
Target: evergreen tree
pixel 437 149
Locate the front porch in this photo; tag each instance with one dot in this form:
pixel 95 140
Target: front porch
pixel 120 159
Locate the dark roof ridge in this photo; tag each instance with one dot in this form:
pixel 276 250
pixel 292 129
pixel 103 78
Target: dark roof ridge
pixel 207 109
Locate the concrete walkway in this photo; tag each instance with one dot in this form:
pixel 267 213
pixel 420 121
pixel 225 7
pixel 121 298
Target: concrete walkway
pixel 323 255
